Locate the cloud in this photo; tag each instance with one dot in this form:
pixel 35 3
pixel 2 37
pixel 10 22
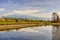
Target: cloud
pixel 48 3
pixel 7 14
pixel 29 30
pixel 43 15
pixel 2 9
pixel 51 3
pixel 30 12
pixel 26 12
pixel 30 7
pixel 35 13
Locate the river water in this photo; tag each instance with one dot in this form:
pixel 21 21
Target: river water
pixel 30 33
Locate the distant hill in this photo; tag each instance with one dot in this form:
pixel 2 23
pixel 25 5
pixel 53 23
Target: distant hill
pixel 26 17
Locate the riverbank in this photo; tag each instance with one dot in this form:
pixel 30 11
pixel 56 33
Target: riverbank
pixel 18 26
pixel 57 24
pixel 11 27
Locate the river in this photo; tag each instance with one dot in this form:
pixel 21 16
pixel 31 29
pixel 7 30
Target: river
pixel 30 33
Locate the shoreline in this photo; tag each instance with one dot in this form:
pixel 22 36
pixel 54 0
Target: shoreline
pixel 18 26
pixel 10 27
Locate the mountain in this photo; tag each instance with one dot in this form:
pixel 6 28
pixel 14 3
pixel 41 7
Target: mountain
pixel 26 17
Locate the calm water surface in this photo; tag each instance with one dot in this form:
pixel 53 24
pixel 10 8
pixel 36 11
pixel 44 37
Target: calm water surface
pixel 31 33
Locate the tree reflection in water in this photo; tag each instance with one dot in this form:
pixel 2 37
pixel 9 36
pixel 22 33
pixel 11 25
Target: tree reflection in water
pixel 56 32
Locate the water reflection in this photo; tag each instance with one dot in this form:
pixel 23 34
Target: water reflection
pixel 56 33
pixel 31 33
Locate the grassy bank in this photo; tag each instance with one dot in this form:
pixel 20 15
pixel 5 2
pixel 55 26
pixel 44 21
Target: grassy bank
pixel 14 21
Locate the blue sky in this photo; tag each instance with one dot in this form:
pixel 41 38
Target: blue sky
pixel 37 8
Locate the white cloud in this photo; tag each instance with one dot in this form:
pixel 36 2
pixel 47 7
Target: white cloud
pixel 25 12
pixel 29 30
pixel 35 13
pixel 2 9
pixel 6 14
pixel 45 15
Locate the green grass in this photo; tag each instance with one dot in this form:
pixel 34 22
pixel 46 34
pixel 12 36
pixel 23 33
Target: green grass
pixel 6 23
pixel 19 23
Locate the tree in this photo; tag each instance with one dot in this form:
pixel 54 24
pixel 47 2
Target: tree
pixel 55 17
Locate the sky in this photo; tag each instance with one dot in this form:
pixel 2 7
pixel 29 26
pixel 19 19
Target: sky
pixel 36 8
